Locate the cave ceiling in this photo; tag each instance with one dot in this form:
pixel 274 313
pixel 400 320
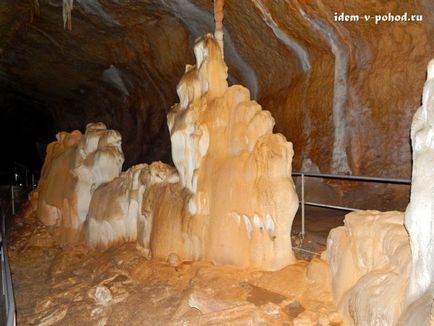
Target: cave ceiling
pixel 342 92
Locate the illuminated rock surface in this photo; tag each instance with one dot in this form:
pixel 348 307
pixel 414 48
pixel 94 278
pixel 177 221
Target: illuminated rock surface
pixel 233 201
pixel 369 261
pixel 338 90
pixel 382 263
pixel 420 211
pixel 240 199
pixel 118 286
pixel 74 167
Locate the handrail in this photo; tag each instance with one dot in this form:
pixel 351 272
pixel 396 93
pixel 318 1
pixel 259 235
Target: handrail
pixel 8 290
pixel 341 177
pixel 352 177
pixel 25 167
pixel 7 287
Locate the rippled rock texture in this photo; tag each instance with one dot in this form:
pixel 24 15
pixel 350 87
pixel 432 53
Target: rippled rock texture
pixel 381 264
pixel 339 90
pixel 75 165
pixel 73 285
pixel 231 201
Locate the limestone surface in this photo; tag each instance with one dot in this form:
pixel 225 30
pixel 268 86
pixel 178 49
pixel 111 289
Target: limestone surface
pixel 240 199
pixel 369 261
pixel 231 199
pixel 420 211
pixel 382 264
pixel 74 167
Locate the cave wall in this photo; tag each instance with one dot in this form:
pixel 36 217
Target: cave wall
pixel 342 92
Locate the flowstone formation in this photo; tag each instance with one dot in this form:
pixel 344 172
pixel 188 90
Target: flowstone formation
pixel 75 165
pixel 119 210
pixel 230 200
pixel 382 264
pixel 241 199
pixel 369 261
pixel 420 211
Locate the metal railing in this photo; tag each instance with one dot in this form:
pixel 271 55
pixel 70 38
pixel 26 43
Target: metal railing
pixel 8 290
pixel 24 176
pixel 303 202
pixel 23 181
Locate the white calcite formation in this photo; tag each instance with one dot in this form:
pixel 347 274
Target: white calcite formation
pixel 369 260
pixel 230 200
pixel 239 201
pixel 382 264
pixel 74 167
pixel 115 208
pixel 419 216
pixel 120 211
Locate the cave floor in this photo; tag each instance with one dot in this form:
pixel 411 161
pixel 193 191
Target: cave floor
pixel 318 223
pixel 74 285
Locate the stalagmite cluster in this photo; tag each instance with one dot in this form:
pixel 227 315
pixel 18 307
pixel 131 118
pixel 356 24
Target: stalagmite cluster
pixel 369 260
pixel 225 152
pixel 382 264
pixel 75 165
pixel 231 199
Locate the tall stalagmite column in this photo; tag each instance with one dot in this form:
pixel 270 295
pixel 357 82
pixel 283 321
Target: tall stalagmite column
pixel 218 17
pixel 419 218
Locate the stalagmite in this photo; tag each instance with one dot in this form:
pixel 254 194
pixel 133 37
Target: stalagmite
pixel 382 271
pixel 369 273
pixel 122 210
pixel 67 6
pixel 420 211
pixel 115 208
pixel 241 200
pixel 218 16
pixel 231 199
pixel 74 167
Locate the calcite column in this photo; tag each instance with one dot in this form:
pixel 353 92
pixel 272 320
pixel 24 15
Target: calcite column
pixel 419 218
pixel 74 167
pixel 241 199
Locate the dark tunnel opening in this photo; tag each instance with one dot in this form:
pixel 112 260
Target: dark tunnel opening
pixel 26 129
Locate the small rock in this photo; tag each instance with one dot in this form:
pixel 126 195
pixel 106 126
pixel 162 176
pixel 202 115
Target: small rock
pixel 294 308
pixel 271 310
pixel 103 295
pixel 56 316
pixel 173 260
pixel 306 318
pixel 335 318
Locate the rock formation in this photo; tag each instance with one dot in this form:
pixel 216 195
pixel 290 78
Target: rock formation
pixel 74 167
pixel 369 261
pixel 322 79
pixel 120 211
pixel 232 199
pixel 382 270
pixel 241 200
pixel 419 216
pixel 115 208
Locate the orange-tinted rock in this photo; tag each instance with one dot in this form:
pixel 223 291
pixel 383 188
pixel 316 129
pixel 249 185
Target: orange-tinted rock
pixel 339 90
pixel 75 166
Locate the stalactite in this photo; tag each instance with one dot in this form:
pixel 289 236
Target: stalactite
pixel 218 17
pixel 66 13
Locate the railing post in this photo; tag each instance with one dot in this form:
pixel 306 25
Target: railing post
pixel 33 181
pixel 13 199
pixel 302 206
pixel 15 175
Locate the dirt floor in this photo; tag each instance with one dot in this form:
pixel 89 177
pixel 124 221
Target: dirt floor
pixel 74 285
